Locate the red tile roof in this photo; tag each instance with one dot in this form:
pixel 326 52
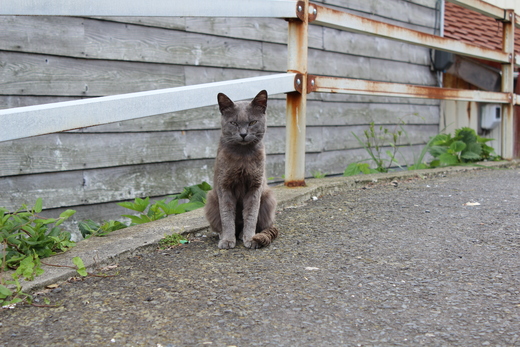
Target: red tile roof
pixel 475 28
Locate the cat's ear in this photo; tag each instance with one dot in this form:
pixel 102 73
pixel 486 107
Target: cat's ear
pixel 260 100
pixel 224 102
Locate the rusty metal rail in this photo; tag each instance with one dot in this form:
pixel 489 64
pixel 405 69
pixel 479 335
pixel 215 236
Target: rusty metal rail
pixel 324 84
pixel 349 22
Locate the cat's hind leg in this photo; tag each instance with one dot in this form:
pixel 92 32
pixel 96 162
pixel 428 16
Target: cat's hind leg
pixel 212 212
pixel 266 232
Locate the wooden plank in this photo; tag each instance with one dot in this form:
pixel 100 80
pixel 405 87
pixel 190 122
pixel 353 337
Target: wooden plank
pixel 318 113
pixel 271 30
pixel 335 162
pixel 394 10
pixel 96 39
pixel 325 139
pixel 338 64
pixel 70 151
pixel 87 187
pixel 42 34
pixel 199 74
pixel 176 23
pixel 425 3
pixel 73 151
pixel 78 151
pixel 334 113
pixel 108 40
pixel 366 68
pixel 10 101
pixel 373 46
pixel 101 185
pixel 31 74
pixel 377 99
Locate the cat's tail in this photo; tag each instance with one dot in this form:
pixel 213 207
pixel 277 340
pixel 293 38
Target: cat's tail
pixel 266 236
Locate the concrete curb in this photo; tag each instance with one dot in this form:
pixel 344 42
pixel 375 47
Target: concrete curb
pixel 100 251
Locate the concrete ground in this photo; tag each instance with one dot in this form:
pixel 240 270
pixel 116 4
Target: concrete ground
pixel 413 258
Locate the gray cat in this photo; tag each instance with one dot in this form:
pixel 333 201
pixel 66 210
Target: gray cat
pixel 241 204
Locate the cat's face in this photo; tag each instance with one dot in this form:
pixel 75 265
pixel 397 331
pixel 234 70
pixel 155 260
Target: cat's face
pixel 243 123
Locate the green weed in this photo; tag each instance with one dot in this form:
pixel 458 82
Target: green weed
pixel 462 148
pixel 172 240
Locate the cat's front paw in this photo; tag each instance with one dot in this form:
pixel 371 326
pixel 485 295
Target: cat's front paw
pixel 226 244
pixel 251 244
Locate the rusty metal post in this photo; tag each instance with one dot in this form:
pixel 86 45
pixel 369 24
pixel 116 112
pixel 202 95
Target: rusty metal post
pixel 297 48
pixel 508 85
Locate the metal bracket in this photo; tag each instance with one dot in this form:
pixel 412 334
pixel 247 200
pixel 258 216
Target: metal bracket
pixel 298 82
pixel 313 12
pixel 300 11
pixel 508 17
pixel 311 83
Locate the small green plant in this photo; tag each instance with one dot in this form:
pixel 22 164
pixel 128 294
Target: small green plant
pixel 418 163
pixel 462 148
pixel 90 228
pixel 358 168
pixel 196 196
pixel 172 240
pixel 24 234
pixel 374 143
pixel 28 268
pixel 194 193
pixel 318 174
pixel 11 292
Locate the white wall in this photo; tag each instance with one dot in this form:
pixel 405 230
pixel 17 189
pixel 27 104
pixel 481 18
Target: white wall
pixel 508 4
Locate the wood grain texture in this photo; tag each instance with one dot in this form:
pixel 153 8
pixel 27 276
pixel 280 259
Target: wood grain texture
pixel 372 46
pixel 51 59
pixel 78 151
pixel 271 30
pixel 393 11
pixel 106 40
pixel 35 74
pixel 86 187
pixel 318 114
pixel 176 23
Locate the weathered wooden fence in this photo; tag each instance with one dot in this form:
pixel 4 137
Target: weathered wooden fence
pixel 297 82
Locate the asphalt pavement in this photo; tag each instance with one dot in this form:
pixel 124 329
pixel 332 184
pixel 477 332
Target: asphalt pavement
pixel 425 258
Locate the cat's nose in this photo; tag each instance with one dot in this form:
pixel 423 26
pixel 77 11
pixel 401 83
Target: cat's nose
pixel 243 136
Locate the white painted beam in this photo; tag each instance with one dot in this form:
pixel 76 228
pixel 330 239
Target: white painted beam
pixel 56 117
pixel 153 8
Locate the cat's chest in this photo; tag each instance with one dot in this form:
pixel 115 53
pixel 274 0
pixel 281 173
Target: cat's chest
pixel 241 174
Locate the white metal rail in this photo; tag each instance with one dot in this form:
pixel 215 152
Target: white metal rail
pixel 151 8
pixel 42 119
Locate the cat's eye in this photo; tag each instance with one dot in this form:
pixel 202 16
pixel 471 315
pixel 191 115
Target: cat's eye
pixel 252 122
pixel 234 123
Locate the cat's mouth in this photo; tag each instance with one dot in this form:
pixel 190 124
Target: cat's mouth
pixel 245 141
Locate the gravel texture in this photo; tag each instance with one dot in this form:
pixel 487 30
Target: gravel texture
pixel 431 262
